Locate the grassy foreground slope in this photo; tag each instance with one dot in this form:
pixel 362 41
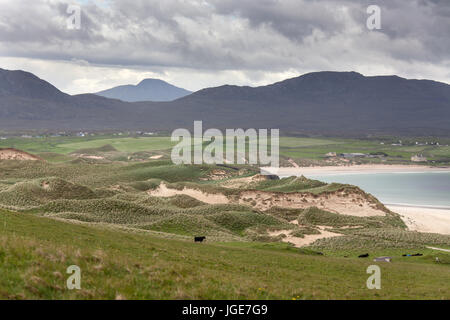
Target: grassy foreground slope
pixel 36 251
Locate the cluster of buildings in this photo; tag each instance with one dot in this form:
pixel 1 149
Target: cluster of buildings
pixel 355 155
pixel 419 158
pixel 415 158
pixel 82 134
pixel 417 143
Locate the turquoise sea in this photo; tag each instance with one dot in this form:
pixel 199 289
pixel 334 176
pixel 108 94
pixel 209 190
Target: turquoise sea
pixel 431 189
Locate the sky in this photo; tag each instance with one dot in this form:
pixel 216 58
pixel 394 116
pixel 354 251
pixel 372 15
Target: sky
pixel 206 43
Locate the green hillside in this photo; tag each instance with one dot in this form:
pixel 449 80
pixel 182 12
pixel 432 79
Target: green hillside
pixel 105 215
pixel 35 253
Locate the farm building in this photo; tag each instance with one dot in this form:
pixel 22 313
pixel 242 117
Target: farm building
pixel 418 158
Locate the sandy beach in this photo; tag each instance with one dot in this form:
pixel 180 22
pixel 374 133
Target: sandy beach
pixel 423 219
pixel 355 169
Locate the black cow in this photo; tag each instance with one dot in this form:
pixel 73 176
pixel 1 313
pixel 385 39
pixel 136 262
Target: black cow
pixel 413 255
pixel 363 255
pixel 199 239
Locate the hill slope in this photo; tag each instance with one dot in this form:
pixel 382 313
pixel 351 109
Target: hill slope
pixel 27 102
pixel 329 102
pixel 335 103
pixel 35 253
pixel 130 244
pixel 146 90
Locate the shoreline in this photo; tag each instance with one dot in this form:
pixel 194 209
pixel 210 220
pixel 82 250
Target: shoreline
pixel 424 219
pixel 421 218
pixel 353 169
pixel 417 206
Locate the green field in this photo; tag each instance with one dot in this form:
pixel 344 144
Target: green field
pixel 65 145
pixel 396 154
pixel 299 149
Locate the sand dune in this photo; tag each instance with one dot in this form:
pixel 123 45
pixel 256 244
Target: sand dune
pixel 354 204
pixel 340 202
pixel 14 154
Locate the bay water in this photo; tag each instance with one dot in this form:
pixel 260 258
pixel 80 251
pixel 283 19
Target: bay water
pixel 427 189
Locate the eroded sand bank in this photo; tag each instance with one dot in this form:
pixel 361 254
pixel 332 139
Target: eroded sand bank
pixel 341 202
pixel 210 198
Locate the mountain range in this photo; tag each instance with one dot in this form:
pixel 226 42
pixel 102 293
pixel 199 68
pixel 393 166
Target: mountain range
pixel 146 90
pixel 327 103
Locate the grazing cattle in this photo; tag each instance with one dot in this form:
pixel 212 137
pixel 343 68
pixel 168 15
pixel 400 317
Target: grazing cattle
pixel 199 239
pixel 363 255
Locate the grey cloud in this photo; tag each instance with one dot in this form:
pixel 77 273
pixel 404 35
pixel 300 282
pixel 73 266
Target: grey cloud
pixel 291 18
pixel 415 30
pixel 257 36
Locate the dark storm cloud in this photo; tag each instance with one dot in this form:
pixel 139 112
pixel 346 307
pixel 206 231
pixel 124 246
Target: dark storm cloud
pixel 418 29
pixel 33 22
pixel 292 19
pixel 263 35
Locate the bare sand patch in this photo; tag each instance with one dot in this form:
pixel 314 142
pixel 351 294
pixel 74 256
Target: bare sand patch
pixel 343 227
pixel 349 227
pixel 210 198
pixel 217 174
pixel 424 219
pixel 307 240
pixel 353 204
pixel 45 185
pixel 85 156
pixel 14 154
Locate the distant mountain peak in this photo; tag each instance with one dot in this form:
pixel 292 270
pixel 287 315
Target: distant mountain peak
pixel 330 76
pixel 25 84
pixel 152 81
pixel 347 74
pixel 326 103
pixel 147 90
